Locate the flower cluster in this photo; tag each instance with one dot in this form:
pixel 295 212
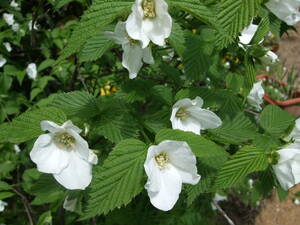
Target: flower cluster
pixel 149 21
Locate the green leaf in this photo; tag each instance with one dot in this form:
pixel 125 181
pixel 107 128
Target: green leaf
pixel 163 93
pixel 177 39
pixel 27 125
pixel 95 19
pixel 76 103
pixel 95 47
pixel 6 194
pixel 233 17
pixel 275 121
pixel 197 8
pixel 119 179
pixel 201 147
pixel 262 30
pixel 196 62
pixel 245 161
pixel 4 186
pixel 237 131
pixel 45 219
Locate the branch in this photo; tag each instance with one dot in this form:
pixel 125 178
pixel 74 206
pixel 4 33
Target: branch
pixel 215 203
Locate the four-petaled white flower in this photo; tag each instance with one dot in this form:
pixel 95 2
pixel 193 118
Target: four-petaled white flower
pixel 288 168
pixel 149 21
pixel 248 33
pixel 9 18
pixel 188 115
pixel 255 97
pixel 65 154
pixel 286 10
pixel 7 45
pixel 133 54
pixel 3 204
pixel 31 71
pixel 3 61
pixel 167 166
pixel 295 133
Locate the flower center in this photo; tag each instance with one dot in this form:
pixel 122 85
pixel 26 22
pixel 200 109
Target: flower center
pixel 162 159
pixel 149 8
pixel 182 113
pixel 64 140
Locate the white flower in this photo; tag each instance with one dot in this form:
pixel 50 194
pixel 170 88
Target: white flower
pixel 255 97
pixel 133 54
pixel 31 71
pixel 65 154
pixel 296 201
pixel 3 61
pixel 295 133
pixel 14 4
pixel 30 25
pixel 286 10
pixel 288 168
pixel 247 34
pixel 17 149
pixel 188 115
pixel 149 21
pixel 3 204
pixel 15 27
pixel 272 56
pixel 9 18
pixel 167 166
pixel 7 46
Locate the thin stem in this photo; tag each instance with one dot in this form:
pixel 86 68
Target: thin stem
pixel 26 205
pixel 215 203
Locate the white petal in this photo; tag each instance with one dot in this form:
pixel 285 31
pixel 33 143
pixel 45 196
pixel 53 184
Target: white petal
pixel 169 183
pixel 255 97
pixel 197 102
pixel 206 118
pixel 189 124
pixel 77 175
pixel 9 18
pixel 119 35
pixel 3 61
pixel 147 56
pixel 183 159
pixel 7 46
pixel 132 59
pixel 31 71
pixel 81 146
pixel 48 157
pixel 69 125
pixel 93 159
pixel 295 134
pixel 50 126
pixel 248 33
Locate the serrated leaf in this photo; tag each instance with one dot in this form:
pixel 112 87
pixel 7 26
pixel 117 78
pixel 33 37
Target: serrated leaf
pixel 76 103
pixel 235 131
pixel 95 19
pixel 27 125
pixel 275 121
pixel 262 30
pixel 245 161
pixel 233 17
pixel 163 93
pixel 119 179
pixel 195 61
pixel 176 39
pixel 95 47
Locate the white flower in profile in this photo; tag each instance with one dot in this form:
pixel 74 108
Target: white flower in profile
pixel 272 56
pixel 17 149
pixel 167 166
pixel 35 27
pixel 149 21
pixel 3 204
pixel 248 33
pixel 3 61
pixel 8 18
pixel 188 115
pixel 295 133
pixel 134 54
pixel 288 166
pixel 255 97
pixel 15 27
pixel 7 45
pixel 70 204
pixel 65 154
pixel 286 10
pixel 31 71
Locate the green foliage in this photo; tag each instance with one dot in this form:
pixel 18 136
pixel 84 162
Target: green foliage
pixel 27 125
pixel 275 121
pixel 245 161
pixel 119 179
pixel 234 15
